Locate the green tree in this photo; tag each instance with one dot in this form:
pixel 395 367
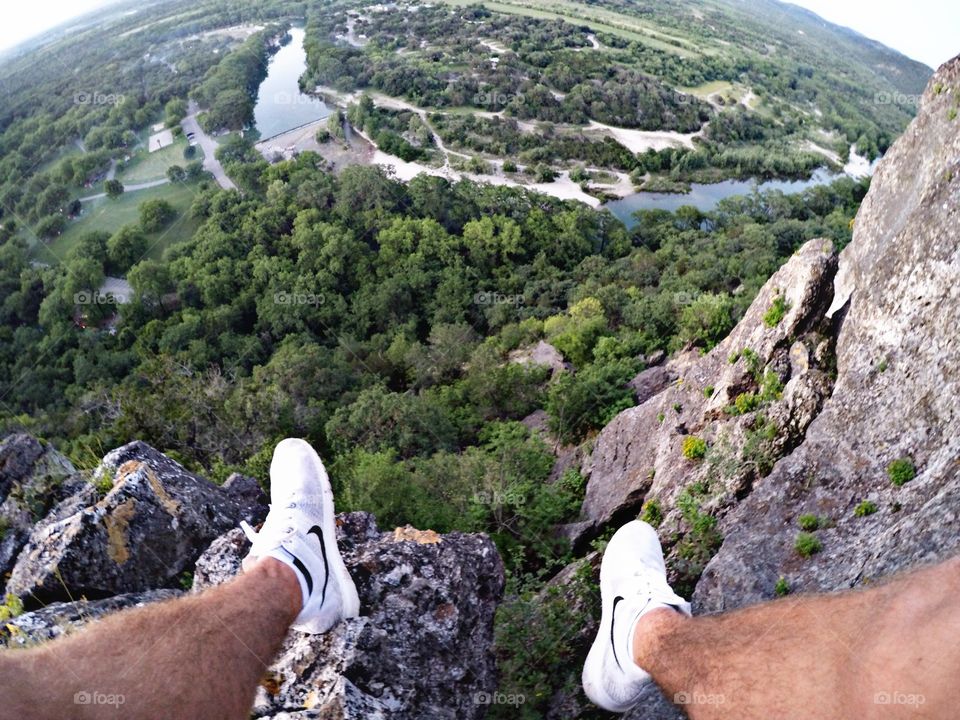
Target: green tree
pixel 113 188
pixel 155 214
pixel 126 247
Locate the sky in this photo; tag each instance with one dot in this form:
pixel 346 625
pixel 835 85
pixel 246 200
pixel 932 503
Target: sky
pixel 926 30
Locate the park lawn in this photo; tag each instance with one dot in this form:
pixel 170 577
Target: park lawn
pixel 110 215
pixel 146 166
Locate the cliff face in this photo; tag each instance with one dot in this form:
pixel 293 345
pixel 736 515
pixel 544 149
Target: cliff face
pixel 866 354
pixel 895 398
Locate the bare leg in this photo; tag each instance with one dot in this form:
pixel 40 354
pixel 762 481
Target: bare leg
pixel 193 657
pixel 886 652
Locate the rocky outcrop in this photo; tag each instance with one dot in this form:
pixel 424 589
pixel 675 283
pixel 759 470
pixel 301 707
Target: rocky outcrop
pixel 59 619
pixel 541 353
pixel 422 646
pixel 148 529
pixel 866 355
pixel 33 477
pixel 895 396
pixel 748 400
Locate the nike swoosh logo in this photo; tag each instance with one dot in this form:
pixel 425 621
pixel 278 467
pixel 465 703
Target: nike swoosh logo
pixel 315 530
pixel 613 617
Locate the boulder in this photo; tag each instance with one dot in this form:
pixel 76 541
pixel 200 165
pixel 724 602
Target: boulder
pixel 62 618
pixel 895 396
pixel 542 353
pixel 422 647
pixel 33 477
pixel 651 381
pixel 148 530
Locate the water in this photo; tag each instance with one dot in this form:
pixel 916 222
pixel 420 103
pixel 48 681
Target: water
pixel 280 104
pixel 706 197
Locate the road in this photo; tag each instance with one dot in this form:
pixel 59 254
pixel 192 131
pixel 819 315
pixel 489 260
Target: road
pixel 208 145
pixel 129 188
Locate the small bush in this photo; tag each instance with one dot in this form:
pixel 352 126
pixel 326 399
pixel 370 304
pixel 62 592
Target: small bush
pixel 660 418
pixel 807 544
pixel 776 312
pixel 708 391
pixel 10 607
pixel 901 471
pixel 808 522
pixel 746 402
pixel 867 507
pixel 652 513
pixel 782 588
pixel 694 448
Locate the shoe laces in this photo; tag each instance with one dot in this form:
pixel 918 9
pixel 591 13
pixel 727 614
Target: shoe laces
pixel 289 529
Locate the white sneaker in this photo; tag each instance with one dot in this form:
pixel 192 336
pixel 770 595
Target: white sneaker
pixel 633 581
pixel 300 532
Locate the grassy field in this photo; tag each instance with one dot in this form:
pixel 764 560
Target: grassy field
pixel 146 166
pixel 110 215
pixel 599 20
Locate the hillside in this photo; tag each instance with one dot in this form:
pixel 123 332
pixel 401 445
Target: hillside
pixel 471 351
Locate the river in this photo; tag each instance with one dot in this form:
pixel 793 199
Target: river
pixel 280 104
pixel 706 197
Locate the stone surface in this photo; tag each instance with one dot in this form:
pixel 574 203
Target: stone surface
pixel 59 619
pixel 148 530
pixel 898 288
pixel 652 381
pixel 422 647
pixel 638 456
pixel 33 477
pixel 542 353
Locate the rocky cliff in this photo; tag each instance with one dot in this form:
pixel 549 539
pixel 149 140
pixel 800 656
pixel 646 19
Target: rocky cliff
pixel 140 528
pixel 830 413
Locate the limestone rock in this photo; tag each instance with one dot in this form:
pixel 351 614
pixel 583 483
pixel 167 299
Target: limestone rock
pixel 33 477
pixel 897 293
pixel 148 529
pixel 652 381
pixel 639 455
pixel 422 647
pixel 542 353
pixel 59 619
